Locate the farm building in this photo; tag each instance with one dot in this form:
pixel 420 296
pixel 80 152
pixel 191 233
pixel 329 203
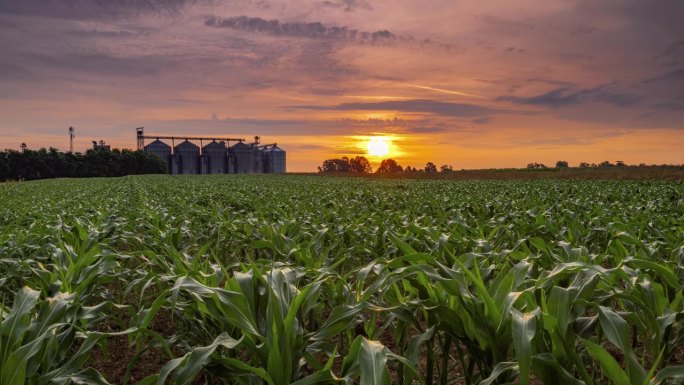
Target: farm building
pixel 186 158
pixel 214 159
pixel 161 150
pixel 274 160
pixel 217 156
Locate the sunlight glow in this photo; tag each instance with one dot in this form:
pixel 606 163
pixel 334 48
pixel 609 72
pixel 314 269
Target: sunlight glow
pixel 379 146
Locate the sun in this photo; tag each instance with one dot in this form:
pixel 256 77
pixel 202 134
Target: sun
pixel 378 146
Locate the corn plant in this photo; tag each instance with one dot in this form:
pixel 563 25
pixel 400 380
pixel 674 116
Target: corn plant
pixel 299 279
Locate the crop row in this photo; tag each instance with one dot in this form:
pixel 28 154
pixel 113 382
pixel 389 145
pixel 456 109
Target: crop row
pixel 314 280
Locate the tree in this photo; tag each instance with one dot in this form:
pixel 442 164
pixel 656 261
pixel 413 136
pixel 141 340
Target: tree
pixel 389 166
pixel 357 164
pixel 430 167
pixel 50 163
pixel 446 168
pixel 335 165
pixel 536 165
pixel 561 164
pixel 584 165
pixel 360 164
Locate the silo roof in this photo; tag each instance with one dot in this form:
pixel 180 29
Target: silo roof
pixel 157 143
pixel 187 144
pixel 220 145
pixel 239 144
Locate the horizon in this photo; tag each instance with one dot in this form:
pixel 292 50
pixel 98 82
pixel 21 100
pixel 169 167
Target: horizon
pixel 473 85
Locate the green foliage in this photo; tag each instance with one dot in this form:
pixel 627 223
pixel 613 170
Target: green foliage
pixel 309 280
pixel 43 164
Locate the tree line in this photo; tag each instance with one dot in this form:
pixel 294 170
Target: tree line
pixel 51 163
pixel 604 164
pixel 360 164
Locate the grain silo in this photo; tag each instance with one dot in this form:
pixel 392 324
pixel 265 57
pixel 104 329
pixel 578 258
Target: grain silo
pixel 161 150
pixel 274 160
pixel 214 155
pixel 243 155
pixel 187 156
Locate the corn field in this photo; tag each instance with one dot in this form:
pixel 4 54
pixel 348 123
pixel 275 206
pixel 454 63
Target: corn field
pixel 316 280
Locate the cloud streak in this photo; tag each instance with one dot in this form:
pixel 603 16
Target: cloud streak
pixel 312 30
pixel 92 9
pixel 566 96
pixel 416 106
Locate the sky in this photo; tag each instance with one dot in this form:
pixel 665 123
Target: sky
pixel 470 83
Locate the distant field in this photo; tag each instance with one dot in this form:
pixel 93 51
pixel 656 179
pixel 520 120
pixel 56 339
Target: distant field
pixel 613 173
pixel 314 280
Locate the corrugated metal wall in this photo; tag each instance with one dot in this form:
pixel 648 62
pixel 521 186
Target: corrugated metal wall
pixel 187 156
pixel 214 154
pixel 274 160
pixel 161 150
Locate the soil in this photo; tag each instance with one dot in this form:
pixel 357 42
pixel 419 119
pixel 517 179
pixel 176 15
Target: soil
pixel 113 363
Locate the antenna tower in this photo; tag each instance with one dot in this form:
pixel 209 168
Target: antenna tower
pixel 71 139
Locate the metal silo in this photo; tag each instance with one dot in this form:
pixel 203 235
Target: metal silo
pixel 215 155
pixel 161 150
pixel 243 154
pixel 274 160
pixel 188 157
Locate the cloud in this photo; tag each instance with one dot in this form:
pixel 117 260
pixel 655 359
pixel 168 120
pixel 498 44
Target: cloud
pixel 514 50
pixel 565 96
pixel 674 75
pixel 428 129
pixel 399 125
pixel 91 9
pixel 670 106
pixel 416 105
pixel 672 55
pixel 347 5
pixel 103 64
pixel 313 30
pixel 374 122
pixel 100 33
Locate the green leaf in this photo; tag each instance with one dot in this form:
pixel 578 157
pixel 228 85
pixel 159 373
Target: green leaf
pixel 499 370
pixel 190 365
pixel 615 328
pixel 524 328
pixel 17 321
pixel 608 364
pixel 339 320
pixel 661 269
pixel 671 372
pixel 373 363
pixel 87 376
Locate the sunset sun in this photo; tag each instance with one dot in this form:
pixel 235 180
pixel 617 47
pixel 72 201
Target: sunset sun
pixel 378 146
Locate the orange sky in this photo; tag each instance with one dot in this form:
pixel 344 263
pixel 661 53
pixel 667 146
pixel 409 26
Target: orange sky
pixel 471 84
